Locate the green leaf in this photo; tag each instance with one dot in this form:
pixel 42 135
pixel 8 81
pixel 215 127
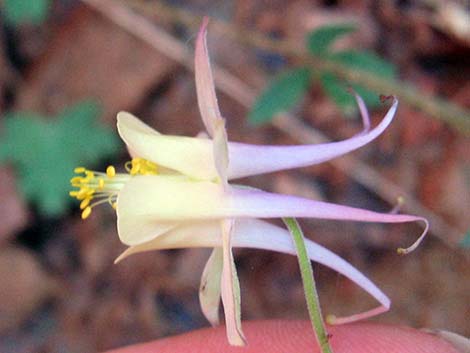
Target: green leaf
pixel 465 242
pixel 17 12
pixel 45 151
pixel 337 91
pixel 361 61
pixel 319 40
pixel 283 93
pixel 364 60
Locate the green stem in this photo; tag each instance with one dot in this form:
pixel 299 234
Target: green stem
pixel 311 295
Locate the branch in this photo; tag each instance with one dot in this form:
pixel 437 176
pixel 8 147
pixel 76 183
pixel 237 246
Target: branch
pixel 454 115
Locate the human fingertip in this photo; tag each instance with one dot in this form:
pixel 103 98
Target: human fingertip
pixel 297 336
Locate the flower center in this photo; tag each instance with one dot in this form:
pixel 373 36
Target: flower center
pixel 96 188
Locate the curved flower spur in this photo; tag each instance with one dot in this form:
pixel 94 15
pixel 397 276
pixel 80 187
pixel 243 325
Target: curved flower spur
pixel 176 194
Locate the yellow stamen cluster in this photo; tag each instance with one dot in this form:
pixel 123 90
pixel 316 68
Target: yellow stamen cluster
pixel 141 166
pixel 94 186
pixel 104 187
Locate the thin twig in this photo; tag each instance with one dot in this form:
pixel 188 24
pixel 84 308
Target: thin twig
pixel 233 87
pixel 454 115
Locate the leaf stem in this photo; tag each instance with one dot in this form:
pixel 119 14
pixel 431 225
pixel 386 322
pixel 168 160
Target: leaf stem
pixel 311 295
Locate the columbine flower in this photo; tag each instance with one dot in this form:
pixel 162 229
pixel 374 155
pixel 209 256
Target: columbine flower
pixel 176 194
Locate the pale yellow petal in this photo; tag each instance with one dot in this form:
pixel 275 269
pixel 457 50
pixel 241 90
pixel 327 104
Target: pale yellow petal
pixel 230 288
pixel 190 156
pixel 134 123
pixel 201 234
pixel 205 88
pixel 208 105
pixel 135 231
pixel 220 151
pixel 209 290
pixel 206 234
pixel 155 199
pixel 148 206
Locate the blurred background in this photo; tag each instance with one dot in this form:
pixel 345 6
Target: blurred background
pixel 67 67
